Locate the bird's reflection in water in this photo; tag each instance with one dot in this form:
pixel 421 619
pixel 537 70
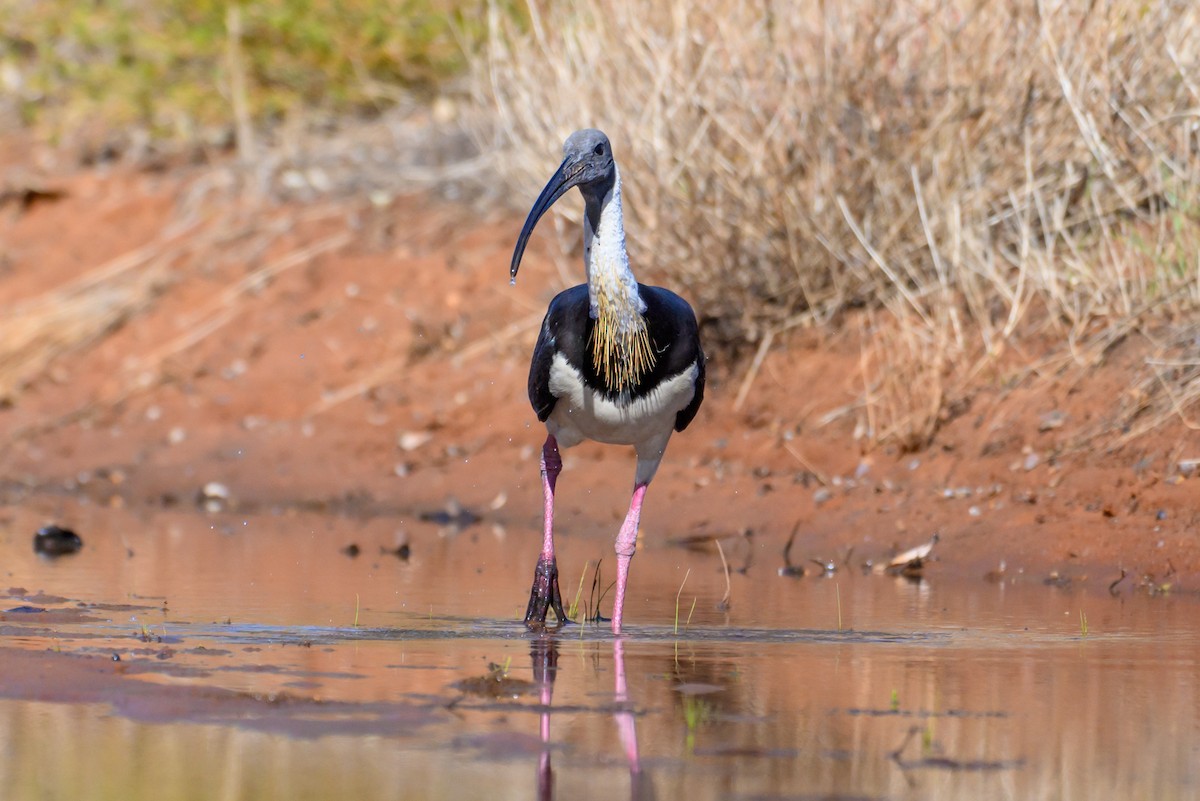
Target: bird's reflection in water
pixel 544 653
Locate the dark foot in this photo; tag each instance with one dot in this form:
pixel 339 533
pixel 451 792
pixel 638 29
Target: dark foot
pixel 544 596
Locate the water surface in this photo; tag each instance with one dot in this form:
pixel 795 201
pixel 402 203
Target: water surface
pixel 256 659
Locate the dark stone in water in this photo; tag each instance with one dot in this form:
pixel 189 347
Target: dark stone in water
pixel 26 610
pixel 56 541
pixel 401 552
pixel 352 550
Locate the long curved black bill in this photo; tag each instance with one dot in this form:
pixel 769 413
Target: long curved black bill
pixel 558 184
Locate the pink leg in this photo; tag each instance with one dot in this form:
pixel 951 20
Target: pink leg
pixel 626 544
pixel 545 595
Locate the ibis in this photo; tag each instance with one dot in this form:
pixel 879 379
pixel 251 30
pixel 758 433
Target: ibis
pixel 616 361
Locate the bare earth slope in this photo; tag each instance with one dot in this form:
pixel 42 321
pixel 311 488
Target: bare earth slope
pixel 371 358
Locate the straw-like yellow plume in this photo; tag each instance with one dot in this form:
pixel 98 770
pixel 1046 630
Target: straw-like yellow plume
pixel 621 351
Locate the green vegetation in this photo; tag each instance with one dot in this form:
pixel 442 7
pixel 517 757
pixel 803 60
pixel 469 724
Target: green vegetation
pixel 573 611
pixel 163 66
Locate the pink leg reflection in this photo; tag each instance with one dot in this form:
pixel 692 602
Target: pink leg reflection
pixel 544 653
pixel 626 724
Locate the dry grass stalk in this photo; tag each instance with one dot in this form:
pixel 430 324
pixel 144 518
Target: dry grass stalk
pixel 35 332
pixel 966 166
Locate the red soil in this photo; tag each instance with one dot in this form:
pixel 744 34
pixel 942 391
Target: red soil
pixel 384 369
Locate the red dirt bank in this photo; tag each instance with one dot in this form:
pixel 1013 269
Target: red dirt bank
pixel 372 358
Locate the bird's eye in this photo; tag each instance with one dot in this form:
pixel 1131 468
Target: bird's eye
pixel 599 151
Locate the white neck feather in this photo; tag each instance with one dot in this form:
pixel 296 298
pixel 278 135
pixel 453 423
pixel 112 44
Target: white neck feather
pixel 610 279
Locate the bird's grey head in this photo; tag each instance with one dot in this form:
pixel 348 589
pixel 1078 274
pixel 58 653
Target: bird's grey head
pixel 587 163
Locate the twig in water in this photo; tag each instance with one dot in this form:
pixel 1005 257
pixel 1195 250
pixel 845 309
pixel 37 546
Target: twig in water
pixel 724 604
pixel 685 578
pixel 837 589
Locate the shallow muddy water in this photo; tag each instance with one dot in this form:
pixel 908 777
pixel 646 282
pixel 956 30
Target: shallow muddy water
pixel 182 655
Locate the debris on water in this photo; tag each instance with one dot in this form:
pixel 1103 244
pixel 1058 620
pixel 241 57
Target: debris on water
pixel 498 502
pixel 1057 580
pixel 213 497
pixel 26 610
pixel 698 688
pixel 401 552
pixel 935 760
pixel 1161 514
pixel 1112 588
pixel 55 541
pixel 352 550
pixel 911 562
pixel 788 568
pixel 453 514
pixel 1031 461
pixel 496 683
pixel 997 574
pixel 828 566
pixel 821 494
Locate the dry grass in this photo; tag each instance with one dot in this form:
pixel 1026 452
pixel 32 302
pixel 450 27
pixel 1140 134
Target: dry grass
pixel 973 170
pixel 36 332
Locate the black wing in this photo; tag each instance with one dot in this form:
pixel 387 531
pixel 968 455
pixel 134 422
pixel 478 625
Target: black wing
pixel 567 327
pixel 675 335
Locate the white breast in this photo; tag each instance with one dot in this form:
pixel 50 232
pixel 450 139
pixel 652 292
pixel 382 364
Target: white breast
pixel 581 413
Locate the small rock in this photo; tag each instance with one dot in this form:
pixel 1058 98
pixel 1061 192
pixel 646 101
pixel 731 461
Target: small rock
pixel 1047 421
pixel 55 541
pixel 411 440
pixel 401 551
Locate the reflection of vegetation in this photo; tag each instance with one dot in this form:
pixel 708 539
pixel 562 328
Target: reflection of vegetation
pixel 163 66
pixel 695 712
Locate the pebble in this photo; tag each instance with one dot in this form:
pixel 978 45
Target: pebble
pixel 411 440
